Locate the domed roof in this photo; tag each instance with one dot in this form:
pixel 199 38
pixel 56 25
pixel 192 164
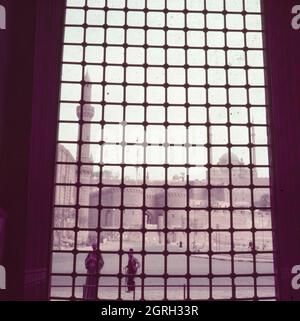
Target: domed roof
pixel 224 159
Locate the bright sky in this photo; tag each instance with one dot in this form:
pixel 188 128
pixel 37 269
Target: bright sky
pixel 176 76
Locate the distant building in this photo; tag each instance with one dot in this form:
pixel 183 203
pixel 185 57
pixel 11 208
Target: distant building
pixel 110 197
pixel 135 199
pixel 65 196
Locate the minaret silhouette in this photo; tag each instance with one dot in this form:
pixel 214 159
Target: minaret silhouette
pixel 85 113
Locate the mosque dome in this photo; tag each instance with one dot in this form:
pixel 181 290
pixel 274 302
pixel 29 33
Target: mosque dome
pixel 224 159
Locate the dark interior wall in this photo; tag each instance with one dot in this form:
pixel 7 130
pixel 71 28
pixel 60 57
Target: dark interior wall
pixel 16 101
pixel 4 44
pixel 45 102
pixel 283 54
pixel 30 55
pixel 29 69
pixel 4 51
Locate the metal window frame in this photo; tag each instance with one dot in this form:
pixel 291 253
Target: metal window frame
pixel 283 77
pixel 211 275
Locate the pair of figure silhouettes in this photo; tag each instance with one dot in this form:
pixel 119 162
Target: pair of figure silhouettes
pixel 94 263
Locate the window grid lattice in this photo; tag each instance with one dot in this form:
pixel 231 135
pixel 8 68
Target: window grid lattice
pixel 163 147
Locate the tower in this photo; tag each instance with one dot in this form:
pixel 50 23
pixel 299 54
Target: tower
pixel 85 113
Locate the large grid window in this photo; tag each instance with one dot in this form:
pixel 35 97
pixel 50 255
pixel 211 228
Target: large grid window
pixel 163 148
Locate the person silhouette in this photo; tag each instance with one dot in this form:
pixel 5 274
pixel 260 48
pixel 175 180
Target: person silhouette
pixel 93 263
pixel 131 269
